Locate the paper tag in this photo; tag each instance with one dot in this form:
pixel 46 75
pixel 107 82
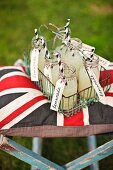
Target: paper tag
pixel 60 84
pixel 88 54
pixel 34 64
pixel 96 85
pixel 103 62
pixel 86 47
pixel 110 67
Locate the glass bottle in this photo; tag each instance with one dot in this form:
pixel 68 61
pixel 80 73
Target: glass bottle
pixel 71 56
pixel 69 100
pixel 41 60
pixel 52 74
pixel 84 81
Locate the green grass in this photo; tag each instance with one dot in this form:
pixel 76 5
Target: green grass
pixel 91 21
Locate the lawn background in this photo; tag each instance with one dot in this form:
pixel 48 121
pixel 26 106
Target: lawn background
pixel 91 21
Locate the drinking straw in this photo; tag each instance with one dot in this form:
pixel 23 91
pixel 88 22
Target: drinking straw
pixel 36 34
pixel 67 31
pixel 58 56
pixel 68 38
pixel 43 43
pixel 88 55
pixel 67 24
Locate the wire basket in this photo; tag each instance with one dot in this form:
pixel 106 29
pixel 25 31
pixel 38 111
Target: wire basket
pixel 78 100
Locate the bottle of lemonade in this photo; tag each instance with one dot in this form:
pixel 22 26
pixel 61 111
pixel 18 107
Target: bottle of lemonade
pixel 84 81
pixel 71 56
pixel 70 89
pixel 51 71
pixel 42 55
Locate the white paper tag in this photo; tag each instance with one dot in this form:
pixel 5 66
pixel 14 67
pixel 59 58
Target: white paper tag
pixel 103 62
pixel 89 48
pixel 96 85
pixel 34 64
pixel 110 67
pixel 87 54
pixel 60 84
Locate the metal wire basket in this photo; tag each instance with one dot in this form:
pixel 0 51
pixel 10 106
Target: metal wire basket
pixel 76 100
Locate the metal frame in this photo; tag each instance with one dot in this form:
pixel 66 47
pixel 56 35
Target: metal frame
pixel 37 148
pixel 92 144
pixel 26 155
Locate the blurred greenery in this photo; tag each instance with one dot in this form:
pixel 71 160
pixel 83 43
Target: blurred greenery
pixel 91 21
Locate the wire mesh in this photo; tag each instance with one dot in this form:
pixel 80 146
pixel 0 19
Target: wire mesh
pixel 78 101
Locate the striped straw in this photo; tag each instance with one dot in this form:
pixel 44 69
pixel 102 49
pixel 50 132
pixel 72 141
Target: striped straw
pixel 67 24
pixel 36 34
pixel 67 31
pixel 67 37
pixel 43 42
pixel 35 40
pixel 58 56
pixel 88 56
pixel 66 40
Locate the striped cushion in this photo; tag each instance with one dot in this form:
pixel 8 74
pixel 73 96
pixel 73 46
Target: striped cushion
pixel 19 97
pixel 24 108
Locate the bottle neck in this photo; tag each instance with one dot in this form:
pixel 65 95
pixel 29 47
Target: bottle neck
pixel 53 62
pixel 34 43
pixel 77 43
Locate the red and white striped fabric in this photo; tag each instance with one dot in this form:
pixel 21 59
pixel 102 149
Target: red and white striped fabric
pixel 84 117
pixel 19 97
pixel 23 105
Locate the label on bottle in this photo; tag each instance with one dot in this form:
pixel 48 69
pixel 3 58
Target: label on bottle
pixel 110 67
pixel 96 85
pixel 60 84
pixel 86 47
pixel 86 54
pixel 34 64
pixel 103 62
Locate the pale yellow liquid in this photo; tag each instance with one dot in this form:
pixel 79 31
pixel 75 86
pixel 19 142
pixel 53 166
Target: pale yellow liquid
pixel 47 87
pixel 70 89
pixel 41 61
pixel 68 58
pixel 84 82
